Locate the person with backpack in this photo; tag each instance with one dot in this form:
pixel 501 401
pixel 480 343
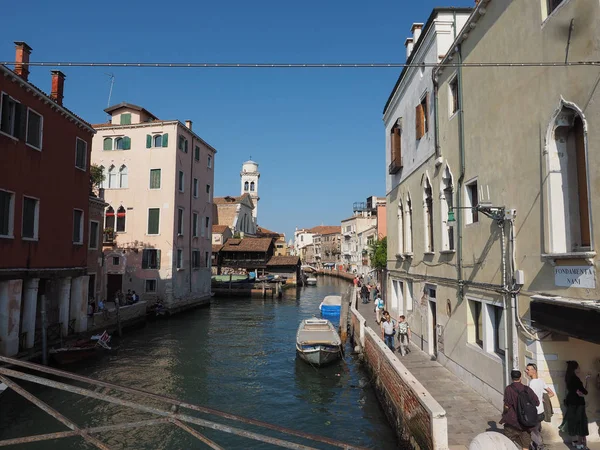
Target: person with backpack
pixel 520 415
pixel 379 306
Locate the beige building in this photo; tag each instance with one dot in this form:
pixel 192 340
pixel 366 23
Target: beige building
pixel 236 213
pixel 159 189
pixel 281 248
pixel 509 277
pixel 220 234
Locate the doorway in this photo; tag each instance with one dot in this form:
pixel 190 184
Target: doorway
pixel 431 294
pixel 114 283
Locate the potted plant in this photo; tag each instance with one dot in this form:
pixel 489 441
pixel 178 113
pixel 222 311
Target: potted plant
pixel 109 234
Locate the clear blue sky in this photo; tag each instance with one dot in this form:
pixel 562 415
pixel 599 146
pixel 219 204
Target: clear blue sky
pixel 316 133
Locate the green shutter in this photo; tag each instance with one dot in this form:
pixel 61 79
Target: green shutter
pixel 165 140
pixel 126 119
pixel 155 179
pixel 108 144
pixel 126 143
pixel 153 220
pixel 148 141
pixel 158 259
pixel 185 146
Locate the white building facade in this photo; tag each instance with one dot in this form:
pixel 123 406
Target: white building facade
pixel 159 181
pixel 249 184
pixel 352 245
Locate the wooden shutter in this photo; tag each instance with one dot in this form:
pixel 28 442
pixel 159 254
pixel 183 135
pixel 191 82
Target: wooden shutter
pixel 582 184
pixel 126 119
pixel 165 140
pixel 20 121
pixel 419 121
pixel 426 115
pixel 148 141
pixel 126 143
pixel 108 144
pixel 153 220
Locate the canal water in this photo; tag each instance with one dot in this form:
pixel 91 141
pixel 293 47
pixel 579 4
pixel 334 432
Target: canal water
pixel 238 356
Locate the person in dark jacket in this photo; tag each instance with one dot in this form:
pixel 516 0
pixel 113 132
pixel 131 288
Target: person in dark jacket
pixel 364 293
pixel 512 428
pixel 575 422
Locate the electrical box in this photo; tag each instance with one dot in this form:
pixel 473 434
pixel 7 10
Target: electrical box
pixel 519 277
pixel 510 214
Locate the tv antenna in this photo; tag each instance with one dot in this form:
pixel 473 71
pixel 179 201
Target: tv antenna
pixel 112 82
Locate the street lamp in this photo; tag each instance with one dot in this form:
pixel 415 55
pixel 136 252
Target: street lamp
pixel 493 212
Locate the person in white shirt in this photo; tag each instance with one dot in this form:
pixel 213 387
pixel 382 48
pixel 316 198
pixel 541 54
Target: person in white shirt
pixel 378 309
pixel 539 387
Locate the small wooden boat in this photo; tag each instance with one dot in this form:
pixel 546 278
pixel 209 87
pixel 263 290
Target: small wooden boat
pixel 317 342
pixel 311 281
pixel 81 349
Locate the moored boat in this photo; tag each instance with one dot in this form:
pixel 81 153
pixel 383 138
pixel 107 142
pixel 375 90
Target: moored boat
pixel 317 342
pixel 331 305
pixel 81 349
pixel 311 281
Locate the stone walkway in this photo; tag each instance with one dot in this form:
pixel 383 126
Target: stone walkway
pixel 468 412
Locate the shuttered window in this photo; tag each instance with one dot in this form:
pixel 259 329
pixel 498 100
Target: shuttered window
pixel 13 120
pixel 6 213
pixel 154 178
pixel 195 224
pixel 150 258
pixel 77 226
pixel 30 218
pixel 81 154
pixel 396 150
pixel 34 129
pixel 195 259
pixel 153 220
pixel 126 119
pixel 421 117
pixel 197 153
pixel 108 144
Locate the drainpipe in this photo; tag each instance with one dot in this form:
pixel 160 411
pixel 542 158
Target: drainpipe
pixel 505 304
pixel 461 178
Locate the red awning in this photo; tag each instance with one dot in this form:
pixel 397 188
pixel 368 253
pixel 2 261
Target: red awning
pixel 120 214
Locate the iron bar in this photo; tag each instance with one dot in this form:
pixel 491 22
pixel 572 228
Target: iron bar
pixel 54 413
pixel 65 434
pixel 197 435
pixel 179 403
pixel 150 409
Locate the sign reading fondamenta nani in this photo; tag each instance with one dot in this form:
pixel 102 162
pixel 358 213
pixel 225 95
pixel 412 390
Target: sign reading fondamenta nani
pixel 575 276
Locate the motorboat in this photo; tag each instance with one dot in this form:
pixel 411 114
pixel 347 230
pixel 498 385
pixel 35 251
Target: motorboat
pixel 331 305
pixel 311 281
pixel 81 350
pixel 317 342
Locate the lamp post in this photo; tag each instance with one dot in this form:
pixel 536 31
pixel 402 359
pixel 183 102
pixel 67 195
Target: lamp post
pixel 496 213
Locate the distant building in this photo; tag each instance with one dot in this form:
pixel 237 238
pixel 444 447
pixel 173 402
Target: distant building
pixel 249 184
pixel 220 234
pixel 44 209
pixel 281 247
pixel 95 259
pixel 247 254
pixel 235 213
pixel 159 188
pixel 308 243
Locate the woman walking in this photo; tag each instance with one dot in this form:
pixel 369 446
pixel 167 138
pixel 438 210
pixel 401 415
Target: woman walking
pixel 575 422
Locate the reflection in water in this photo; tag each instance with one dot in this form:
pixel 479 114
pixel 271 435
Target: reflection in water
pixel 237 356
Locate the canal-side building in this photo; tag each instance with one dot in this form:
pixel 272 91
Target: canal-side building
pixel 43 217
pixel 246 255
pixel 159 182
pixel 281 247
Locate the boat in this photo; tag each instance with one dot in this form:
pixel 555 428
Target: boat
pixel 81 349
pixel 311 281
pixel 317 342
pixel 331 305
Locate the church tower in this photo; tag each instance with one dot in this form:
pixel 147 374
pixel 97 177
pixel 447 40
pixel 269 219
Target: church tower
pixel 250 176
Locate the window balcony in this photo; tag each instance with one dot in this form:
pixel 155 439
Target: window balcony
pixel 395 166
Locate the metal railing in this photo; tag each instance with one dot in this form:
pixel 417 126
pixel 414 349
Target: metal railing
pixel 166 415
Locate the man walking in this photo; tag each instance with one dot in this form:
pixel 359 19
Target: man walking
pixel 387 330
pixel 379 306
pixel 518 400
pixel 403 335
pixel 364 293
pixel 539 387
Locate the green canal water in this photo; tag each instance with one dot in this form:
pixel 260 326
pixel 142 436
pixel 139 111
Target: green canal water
pixel 238 356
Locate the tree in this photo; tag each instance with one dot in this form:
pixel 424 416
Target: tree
pixel 378 254
pixel 96 178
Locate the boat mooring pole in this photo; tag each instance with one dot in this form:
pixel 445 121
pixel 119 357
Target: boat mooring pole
pixel 344 316
pixel 118 307
pixel 44 329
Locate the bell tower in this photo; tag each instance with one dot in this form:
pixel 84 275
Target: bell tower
pixel 249 184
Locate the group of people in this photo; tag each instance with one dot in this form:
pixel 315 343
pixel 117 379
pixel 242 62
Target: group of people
pixel 123 299
pixel 527 406
pixel 389 328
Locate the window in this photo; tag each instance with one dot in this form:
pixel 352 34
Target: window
pixel 77 226
pixel 195 259
pixel 180 182
pixel 157 140
pixel 81 154
pixel 153 220
pixel 421 119
pixel 472 202
pixel 115 261
pixel 454 98
pixel 179 261
pixel 552 5
pixel 150 286
pixel 180 221
pixel 446 205
pixel 395 148
pixel 197 153
pixel 202 230
pixel 246 186
pixel 195 225
pixel 119 144
pixel 123 181
pixel 195 187
pixel 7 211
pixel 94 233
pixel 428 205
pixel 400 229
pixel 11 118
pixel 107 144
pixel 34 129
pixel 112 177
pixel 252 187
pixel 150 258
pixel 122 143
pixel 31 208
pixel 126 119
pixel 209 162
pixel 104 183
pixel 497 314
pixel 476 331
pixel 207 225
pixel 208 192
pixel 408 295
pixel 110 218
pixel 182 144
pixel 154 178
pixel 408 240
pixel 206 260
pixel 121 216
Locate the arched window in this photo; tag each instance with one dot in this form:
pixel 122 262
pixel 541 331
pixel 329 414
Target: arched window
pixel 109 222
pixel 428 210
pixel 158 140
pixel 446 204
pixel 567 182
pixel 123 182
pixel 103 182
pixel 121 215
pixel 252 187
pixel 108 144
pixel 400 229
pixel 246 186
pixel 119 143
pixel 408 241
pixel 112 177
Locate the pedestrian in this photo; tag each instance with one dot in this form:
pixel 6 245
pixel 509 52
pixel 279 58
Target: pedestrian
pixel 364 293
pixel 378 309
pixel 355 281
pixel 575 422
pixel 373 292
pixel 539 387
pixel 388 330
pixel 134 297
pixel 516 397
pixel 404 335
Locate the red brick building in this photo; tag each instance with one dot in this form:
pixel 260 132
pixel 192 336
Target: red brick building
pixel 44 204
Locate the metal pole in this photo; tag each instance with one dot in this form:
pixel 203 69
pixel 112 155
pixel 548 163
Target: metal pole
pixel 197 435
pixel 44 329
pixel 118 307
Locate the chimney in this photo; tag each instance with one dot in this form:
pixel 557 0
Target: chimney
pixel 416 31
pixel 409 46
pixel 58 84
pixel 22 59
pixel 188 124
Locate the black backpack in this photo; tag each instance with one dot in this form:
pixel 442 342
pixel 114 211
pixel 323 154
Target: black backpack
pixel 526 411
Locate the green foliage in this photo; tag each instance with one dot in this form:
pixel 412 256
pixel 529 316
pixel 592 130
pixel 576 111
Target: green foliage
pixel 96 175
pixel 378 254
